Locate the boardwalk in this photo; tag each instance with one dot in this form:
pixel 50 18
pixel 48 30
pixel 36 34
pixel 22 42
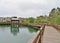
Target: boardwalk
pixel 51 35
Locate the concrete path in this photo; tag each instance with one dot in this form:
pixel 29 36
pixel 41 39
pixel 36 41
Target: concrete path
pixel 51 35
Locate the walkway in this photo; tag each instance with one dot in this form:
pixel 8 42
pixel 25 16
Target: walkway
pixel 51 35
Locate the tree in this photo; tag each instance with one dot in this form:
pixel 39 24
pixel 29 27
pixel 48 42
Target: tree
pixel 54 16
pixel 30 20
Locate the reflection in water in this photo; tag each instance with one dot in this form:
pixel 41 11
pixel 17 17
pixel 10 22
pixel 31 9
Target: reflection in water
pixel 14 29
pixel 32 29
pixel 16 34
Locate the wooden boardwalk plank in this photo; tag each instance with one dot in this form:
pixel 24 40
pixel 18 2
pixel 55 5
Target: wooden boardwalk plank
pixel 51 35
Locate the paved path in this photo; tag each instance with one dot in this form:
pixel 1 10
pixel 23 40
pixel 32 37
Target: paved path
pixel 51 35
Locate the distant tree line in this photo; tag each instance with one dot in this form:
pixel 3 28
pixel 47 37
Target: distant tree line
pixel 53 18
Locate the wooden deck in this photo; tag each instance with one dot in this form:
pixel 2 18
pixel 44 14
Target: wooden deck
pixel 51 35
pixel 46 35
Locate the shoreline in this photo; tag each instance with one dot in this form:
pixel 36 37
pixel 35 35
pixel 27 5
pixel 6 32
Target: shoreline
pixel 34 25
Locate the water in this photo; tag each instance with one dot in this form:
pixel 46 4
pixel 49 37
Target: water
pixel 21 34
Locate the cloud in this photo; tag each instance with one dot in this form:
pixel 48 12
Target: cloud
pixel 27 8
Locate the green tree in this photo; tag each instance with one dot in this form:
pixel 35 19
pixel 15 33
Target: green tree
pixel 54 16
pixel 30 20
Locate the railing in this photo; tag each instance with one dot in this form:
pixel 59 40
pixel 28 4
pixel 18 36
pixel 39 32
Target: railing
pixel 39 35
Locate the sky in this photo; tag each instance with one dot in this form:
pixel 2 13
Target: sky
pixel 27 8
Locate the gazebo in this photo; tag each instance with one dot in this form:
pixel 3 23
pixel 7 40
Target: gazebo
pixel 15 20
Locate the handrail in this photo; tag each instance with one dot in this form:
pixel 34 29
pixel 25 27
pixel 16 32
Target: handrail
pixel 39 35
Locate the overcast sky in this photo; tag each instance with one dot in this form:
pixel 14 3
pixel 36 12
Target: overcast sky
pixel 27 8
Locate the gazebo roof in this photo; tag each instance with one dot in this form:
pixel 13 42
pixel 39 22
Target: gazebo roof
pixel 14 19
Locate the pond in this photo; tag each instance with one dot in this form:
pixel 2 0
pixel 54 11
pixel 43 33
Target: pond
pixel 21 34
